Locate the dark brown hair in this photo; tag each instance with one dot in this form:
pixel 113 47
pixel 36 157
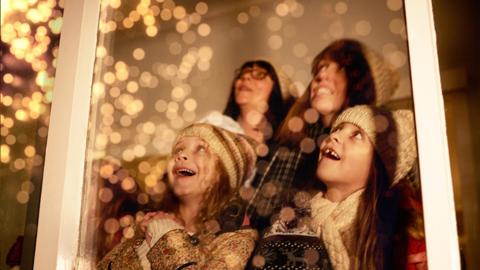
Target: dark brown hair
pixel 277 105
pixel 349 55
pixel 387 218
pixel 368 252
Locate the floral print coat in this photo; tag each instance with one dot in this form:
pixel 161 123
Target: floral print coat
pixel 178 250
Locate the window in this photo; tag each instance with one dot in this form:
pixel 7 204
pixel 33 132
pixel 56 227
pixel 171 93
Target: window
pixel 191 51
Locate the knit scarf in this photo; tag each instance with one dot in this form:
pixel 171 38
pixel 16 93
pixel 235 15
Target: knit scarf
pixel 334 223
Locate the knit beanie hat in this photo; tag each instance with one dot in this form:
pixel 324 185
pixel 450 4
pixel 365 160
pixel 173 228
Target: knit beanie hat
pixel 392 134
pixel 235 152
pixel 384 77
pixel 287 87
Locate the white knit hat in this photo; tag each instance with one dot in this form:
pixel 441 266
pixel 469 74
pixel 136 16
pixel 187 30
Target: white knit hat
pixel 236 152
pixel 391 132
pixel 384 77
pixel 287 87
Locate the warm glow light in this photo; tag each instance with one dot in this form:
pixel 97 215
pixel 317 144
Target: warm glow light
pixel 6 9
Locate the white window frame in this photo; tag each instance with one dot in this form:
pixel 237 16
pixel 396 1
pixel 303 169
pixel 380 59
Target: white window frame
pixel 61 199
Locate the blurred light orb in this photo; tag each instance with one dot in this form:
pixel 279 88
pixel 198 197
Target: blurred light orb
pixel 201 8
pixel 179 12
pixel 128 232
pixel 138 53
pixel 394 5
pixel 282 9
pixel 274 23
pixel 182 26
pixel 262 150
pixel 189 37
pixel 254 11
pixel 341 8
pixel 363 28
pixel 204 30
pixel 397 59
pixel 151 31
pixel 242 17
pixel 166 14
pixel 396 26
pixel 311 116
pixel 307 145
pixel 275 42
pixel 190 104
pixel 22 197
pixel 295 124
pixel 300 50
pixel 105 195
pixel 28 187
pixel 30 151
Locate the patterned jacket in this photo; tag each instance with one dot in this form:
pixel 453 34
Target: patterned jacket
pixel 178 250
pixel 276 184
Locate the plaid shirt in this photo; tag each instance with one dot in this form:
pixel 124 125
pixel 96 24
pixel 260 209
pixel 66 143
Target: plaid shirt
pixel 289 170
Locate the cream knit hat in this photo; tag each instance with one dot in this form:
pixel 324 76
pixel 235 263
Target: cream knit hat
pixel 287 87
pixel 235 152
pixel 392 134
pixel 384 77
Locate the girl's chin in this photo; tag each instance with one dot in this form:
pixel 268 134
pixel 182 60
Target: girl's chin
pixel 242 100
pixel 324 109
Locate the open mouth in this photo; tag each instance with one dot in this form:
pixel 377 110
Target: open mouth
pixel 184 172
pixel 323 91
pixel 244 88
pixel 330 153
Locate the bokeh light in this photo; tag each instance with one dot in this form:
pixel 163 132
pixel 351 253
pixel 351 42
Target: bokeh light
pixel 154 60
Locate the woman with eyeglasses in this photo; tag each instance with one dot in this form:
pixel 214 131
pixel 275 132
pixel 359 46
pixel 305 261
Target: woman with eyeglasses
pixel 259 99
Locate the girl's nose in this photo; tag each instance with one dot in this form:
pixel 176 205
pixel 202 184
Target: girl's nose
pixel 181 156
pixel 323 73
pixel 335 137
pixel 246 76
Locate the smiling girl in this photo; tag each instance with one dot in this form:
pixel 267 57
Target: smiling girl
pixel 366 216
pixel 206 167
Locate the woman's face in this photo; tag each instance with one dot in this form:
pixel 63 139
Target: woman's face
pixel 328 90
pixel 345 158
pixel 192 168
pixel 253 87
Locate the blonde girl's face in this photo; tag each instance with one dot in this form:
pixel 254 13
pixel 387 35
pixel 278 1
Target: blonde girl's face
pixel 345 158
pixel 192 168
pixel 328 89
pixel 253 87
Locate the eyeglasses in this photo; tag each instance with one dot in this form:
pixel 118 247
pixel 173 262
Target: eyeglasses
pixel 256 73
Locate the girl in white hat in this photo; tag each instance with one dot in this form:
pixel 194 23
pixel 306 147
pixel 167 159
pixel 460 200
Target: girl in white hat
pixel 199 230
pixel 367 213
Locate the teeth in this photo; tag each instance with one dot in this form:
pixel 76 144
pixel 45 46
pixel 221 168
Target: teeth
pixel 332 153
pixel 185 172
pixel 323 90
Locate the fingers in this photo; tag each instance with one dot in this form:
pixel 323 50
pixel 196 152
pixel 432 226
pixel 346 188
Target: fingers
pixel 150 216
pixel 146 219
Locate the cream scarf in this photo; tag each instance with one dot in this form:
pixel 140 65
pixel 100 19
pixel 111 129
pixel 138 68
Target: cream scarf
pixel 333 222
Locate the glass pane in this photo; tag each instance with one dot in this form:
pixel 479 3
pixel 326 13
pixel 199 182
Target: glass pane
pixel 30 39
pixel 459 68
pixel 162 65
